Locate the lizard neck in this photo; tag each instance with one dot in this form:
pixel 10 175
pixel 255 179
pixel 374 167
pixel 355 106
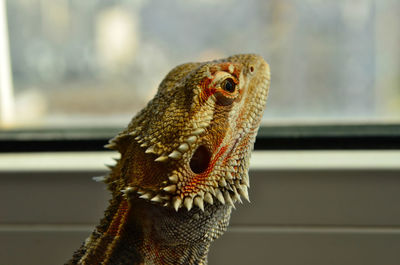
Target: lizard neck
pixel 139 232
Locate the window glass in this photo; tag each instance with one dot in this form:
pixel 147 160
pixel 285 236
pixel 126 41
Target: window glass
pixel 96 63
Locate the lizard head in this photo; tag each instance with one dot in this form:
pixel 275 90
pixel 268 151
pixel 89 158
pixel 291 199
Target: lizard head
pixel 192 143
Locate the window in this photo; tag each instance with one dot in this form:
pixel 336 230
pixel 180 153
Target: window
pixel 96 63
pixel 74 72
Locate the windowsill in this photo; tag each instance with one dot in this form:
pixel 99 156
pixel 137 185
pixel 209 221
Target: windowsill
pixel 261 160
pixel 270 137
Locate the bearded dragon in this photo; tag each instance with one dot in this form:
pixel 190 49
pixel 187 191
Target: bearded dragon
pixel 184 163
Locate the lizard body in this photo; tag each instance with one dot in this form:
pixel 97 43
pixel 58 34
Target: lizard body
pixel 184 163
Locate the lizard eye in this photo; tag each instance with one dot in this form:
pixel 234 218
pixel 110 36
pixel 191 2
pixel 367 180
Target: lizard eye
pixel 228 85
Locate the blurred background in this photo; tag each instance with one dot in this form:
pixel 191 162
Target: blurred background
pixel 96 63
pixel 325 174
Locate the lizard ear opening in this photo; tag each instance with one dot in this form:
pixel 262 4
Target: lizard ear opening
pixel 200 160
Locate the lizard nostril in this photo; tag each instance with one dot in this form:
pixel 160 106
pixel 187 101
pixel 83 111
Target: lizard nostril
pixel 251 69
pixel 200 160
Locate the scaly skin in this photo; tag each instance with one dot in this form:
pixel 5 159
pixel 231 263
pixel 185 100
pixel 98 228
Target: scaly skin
pixel 184 163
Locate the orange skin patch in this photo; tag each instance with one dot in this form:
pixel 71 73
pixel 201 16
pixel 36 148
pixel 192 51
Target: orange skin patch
pixel 115 227
pixel 200 179
pixel 209 90
pixel 110 236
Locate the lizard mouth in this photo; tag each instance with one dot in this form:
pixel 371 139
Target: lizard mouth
pixel 200 160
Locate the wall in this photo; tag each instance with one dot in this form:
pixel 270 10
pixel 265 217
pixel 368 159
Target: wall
pixel 308 216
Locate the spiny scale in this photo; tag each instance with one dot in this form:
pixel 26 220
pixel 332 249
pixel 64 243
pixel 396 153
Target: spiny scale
pixel 99 178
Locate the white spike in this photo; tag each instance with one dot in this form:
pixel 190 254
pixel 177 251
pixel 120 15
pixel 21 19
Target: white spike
pixel 245 179
pixel 110 166
pixel 176 202
pixel 228 199
pixel 99 178
pixel 220 197
pixel 173 179
pixel 208 198
pixel 146 196
pixel 228 175
pixel 151 149
pixel 161 159
pixel 170 188
pixel 156 198
pixel 222 182
pixel 199 202
pixel 110 146
pixel 214 183
pixel 244 192
pixel 201 194
pixel 212 191
pixel 188 203
pixel 231 68
pixel 195 101
pixel 141 192
pixel 143 144
pixel 127 190
pixel 236 195
pixel 133 133
pixel 183 147
pixel 198 131
pixel 191 139
pixel 204 124
pixel 175 155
